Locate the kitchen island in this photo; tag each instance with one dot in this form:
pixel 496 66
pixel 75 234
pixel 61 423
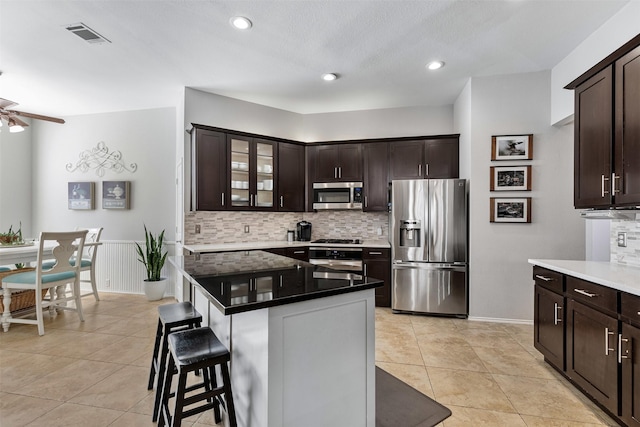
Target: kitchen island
pixel 301 336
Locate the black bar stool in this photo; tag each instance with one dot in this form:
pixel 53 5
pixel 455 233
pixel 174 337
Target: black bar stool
pixel 171 318
pixel 190 351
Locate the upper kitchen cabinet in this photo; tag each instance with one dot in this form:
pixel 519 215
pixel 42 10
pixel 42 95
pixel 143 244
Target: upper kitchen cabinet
pixel 208 170
pixel 290 177
pixel 424 158
pixel 252 163
pixel 376 176
pixel 336 162
pixel 607 131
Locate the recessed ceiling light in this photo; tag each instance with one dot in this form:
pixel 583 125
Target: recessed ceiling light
pixel 434 65
pixel 241 23
pixel 329 77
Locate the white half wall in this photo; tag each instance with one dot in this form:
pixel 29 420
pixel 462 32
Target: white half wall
pixel 618 30
pixel 500 284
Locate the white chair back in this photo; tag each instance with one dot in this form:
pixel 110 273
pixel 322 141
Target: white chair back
pixel 67 244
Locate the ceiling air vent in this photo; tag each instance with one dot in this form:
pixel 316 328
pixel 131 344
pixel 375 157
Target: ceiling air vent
pixel 86 33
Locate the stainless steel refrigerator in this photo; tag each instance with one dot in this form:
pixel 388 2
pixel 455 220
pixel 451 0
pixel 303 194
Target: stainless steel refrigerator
pixel 428 231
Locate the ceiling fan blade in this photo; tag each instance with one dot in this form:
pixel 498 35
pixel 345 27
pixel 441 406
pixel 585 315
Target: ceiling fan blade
pixel 4 103
pixel 17 121
pixel 35 116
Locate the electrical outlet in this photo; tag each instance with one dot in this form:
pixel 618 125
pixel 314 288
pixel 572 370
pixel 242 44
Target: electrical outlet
pixel 622 240
pixel 197 228
pixel 246 228
pixel 107 283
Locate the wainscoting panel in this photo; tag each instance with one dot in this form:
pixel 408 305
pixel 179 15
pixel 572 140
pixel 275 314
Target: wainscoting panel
pixel 118 268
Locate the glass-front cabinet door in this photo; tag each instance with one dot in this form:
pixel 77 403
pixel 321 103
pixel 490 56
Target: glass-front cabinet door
pixel 252 173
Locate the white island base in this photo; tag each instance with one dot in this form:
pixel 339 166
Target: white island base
pixel 310 363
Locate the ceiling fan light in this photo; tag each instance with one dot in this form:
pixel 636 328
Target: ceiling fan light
pixel 435 65
pixel 15 129
pixel 241 23
pixel 329 77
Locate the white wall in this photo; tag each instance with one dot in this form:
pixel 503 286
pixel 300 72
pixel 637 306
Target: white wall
pixel 15 180
pixel 500 277
pixel 382 123
pixel 145 137
pixel 462 121
pixel 621 28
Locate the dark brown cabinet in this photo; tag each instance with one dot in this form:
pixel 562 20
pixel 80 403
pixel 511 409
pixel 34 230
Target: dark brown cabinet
pixel 376 176
pixel 592 341
pixel 336 162
pixel 376 263
pixel 300 252
pixel 626 180
pixel 424 158
pixel 208 170
pixel 607 131
pixel 290 177
pixel 549 312
pixel 629 358
pixel 238 171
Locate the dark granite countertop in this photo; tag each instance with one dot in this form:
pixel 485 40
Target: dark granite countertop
pixel 236 282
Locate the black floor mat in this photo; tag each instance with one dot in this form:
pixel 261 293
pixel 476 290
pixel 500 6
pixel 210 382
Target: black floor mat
pixel 400 405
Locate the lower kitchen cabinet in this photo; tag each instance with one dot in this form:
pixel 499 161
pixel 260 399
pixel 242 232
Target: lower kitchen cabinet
pixel 549 332
pixel 630 361
pixel 592 356
pixel 300 252
pixel 377 263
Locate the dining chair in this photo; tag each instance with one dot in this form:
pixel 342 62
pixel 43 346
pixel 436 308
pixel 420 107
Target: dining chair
pixel 67 245
pixel 88 261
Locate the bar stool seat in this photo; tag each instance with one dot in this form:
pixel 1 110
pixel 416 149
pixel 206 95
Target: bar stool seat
pixel 189 351
pixel 171 318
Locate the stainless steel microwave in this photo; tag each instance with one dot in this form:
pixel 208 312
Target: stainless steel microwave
pixel 337 195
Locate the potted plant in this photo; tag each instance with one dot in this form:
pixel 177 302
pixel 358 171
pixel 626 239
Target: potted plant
pixel 12 237
pixel 153 259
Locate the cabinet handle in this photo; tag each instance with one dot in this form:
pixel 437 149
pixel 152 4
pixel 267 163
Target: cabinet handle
pixel 280 281
pixel 613 183
pixel 602 190
pixel 426 169
pixel 375 253
pixel 546 279
pixel 556 318
pixel 335 172
pixel 607 349
pixel 626 352
pixel 340 172
pixel 364 273
pixel 251 199
pixel 585 293
pixel 366 202
pixel 222 199
pixel 420 169
pixel 282 201
pixel 298 252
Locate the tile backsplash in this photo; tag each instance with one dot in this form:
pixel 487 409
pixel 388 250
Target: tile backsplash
pixel 631 254
pixel 228 227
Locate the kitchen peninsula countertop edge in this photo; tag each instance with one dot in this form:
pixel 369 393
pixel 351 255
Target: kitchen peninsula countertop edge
pixel 620 277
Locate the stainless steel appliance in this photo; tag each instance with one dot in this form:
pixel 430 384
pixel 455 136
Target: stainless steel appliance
pixel 337 195
pixel 347 259
pixel 428 231
pixel 303 228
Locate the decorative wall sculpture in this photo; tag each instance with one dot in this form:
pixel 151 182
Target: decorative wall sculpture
pixel 101 160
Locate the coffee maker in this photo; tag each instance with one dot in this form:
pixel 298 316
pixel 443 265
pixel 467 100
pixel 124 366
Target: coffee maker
pixel 304 231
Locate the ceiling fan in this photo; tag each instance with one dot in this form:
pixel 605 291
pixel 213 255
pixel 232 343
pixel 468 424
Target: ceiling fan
pixel 12 117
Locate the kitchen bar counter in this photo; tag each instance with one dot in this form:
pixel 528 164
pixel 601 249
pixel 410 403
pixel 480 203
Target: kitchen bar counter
pixel 245 246
pixel 615 276
pixel 240 281
pixel 301 337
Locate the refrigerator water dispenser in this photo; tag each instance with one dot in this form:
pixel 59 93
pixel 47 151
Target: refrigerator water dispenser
pixel 410 231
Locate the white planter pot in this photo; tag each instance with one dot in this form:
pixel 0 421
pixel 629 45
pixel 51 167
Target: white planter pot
pixel 155 290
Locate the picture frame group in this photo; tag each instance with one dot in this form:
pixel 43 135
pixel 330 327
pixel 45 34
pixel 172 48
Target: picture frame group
pixel 115 195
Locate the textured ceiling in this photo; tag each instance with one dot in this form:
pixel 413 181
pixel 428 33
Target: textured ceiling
pixel 379 49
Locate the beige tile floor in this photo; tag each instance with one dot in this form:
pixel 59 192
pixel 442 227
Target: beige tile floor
pixel 95 373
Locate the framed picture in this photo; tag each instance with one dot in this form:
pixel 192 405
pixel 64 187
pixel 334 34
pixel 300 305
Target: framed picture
pixel 512 147
pixel 510 178
pixel 115 195
pixel 510 209
pixel 80 195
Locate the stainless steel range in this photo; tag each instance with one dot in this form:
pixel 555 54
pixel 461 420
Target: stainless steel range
pixel 339 258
